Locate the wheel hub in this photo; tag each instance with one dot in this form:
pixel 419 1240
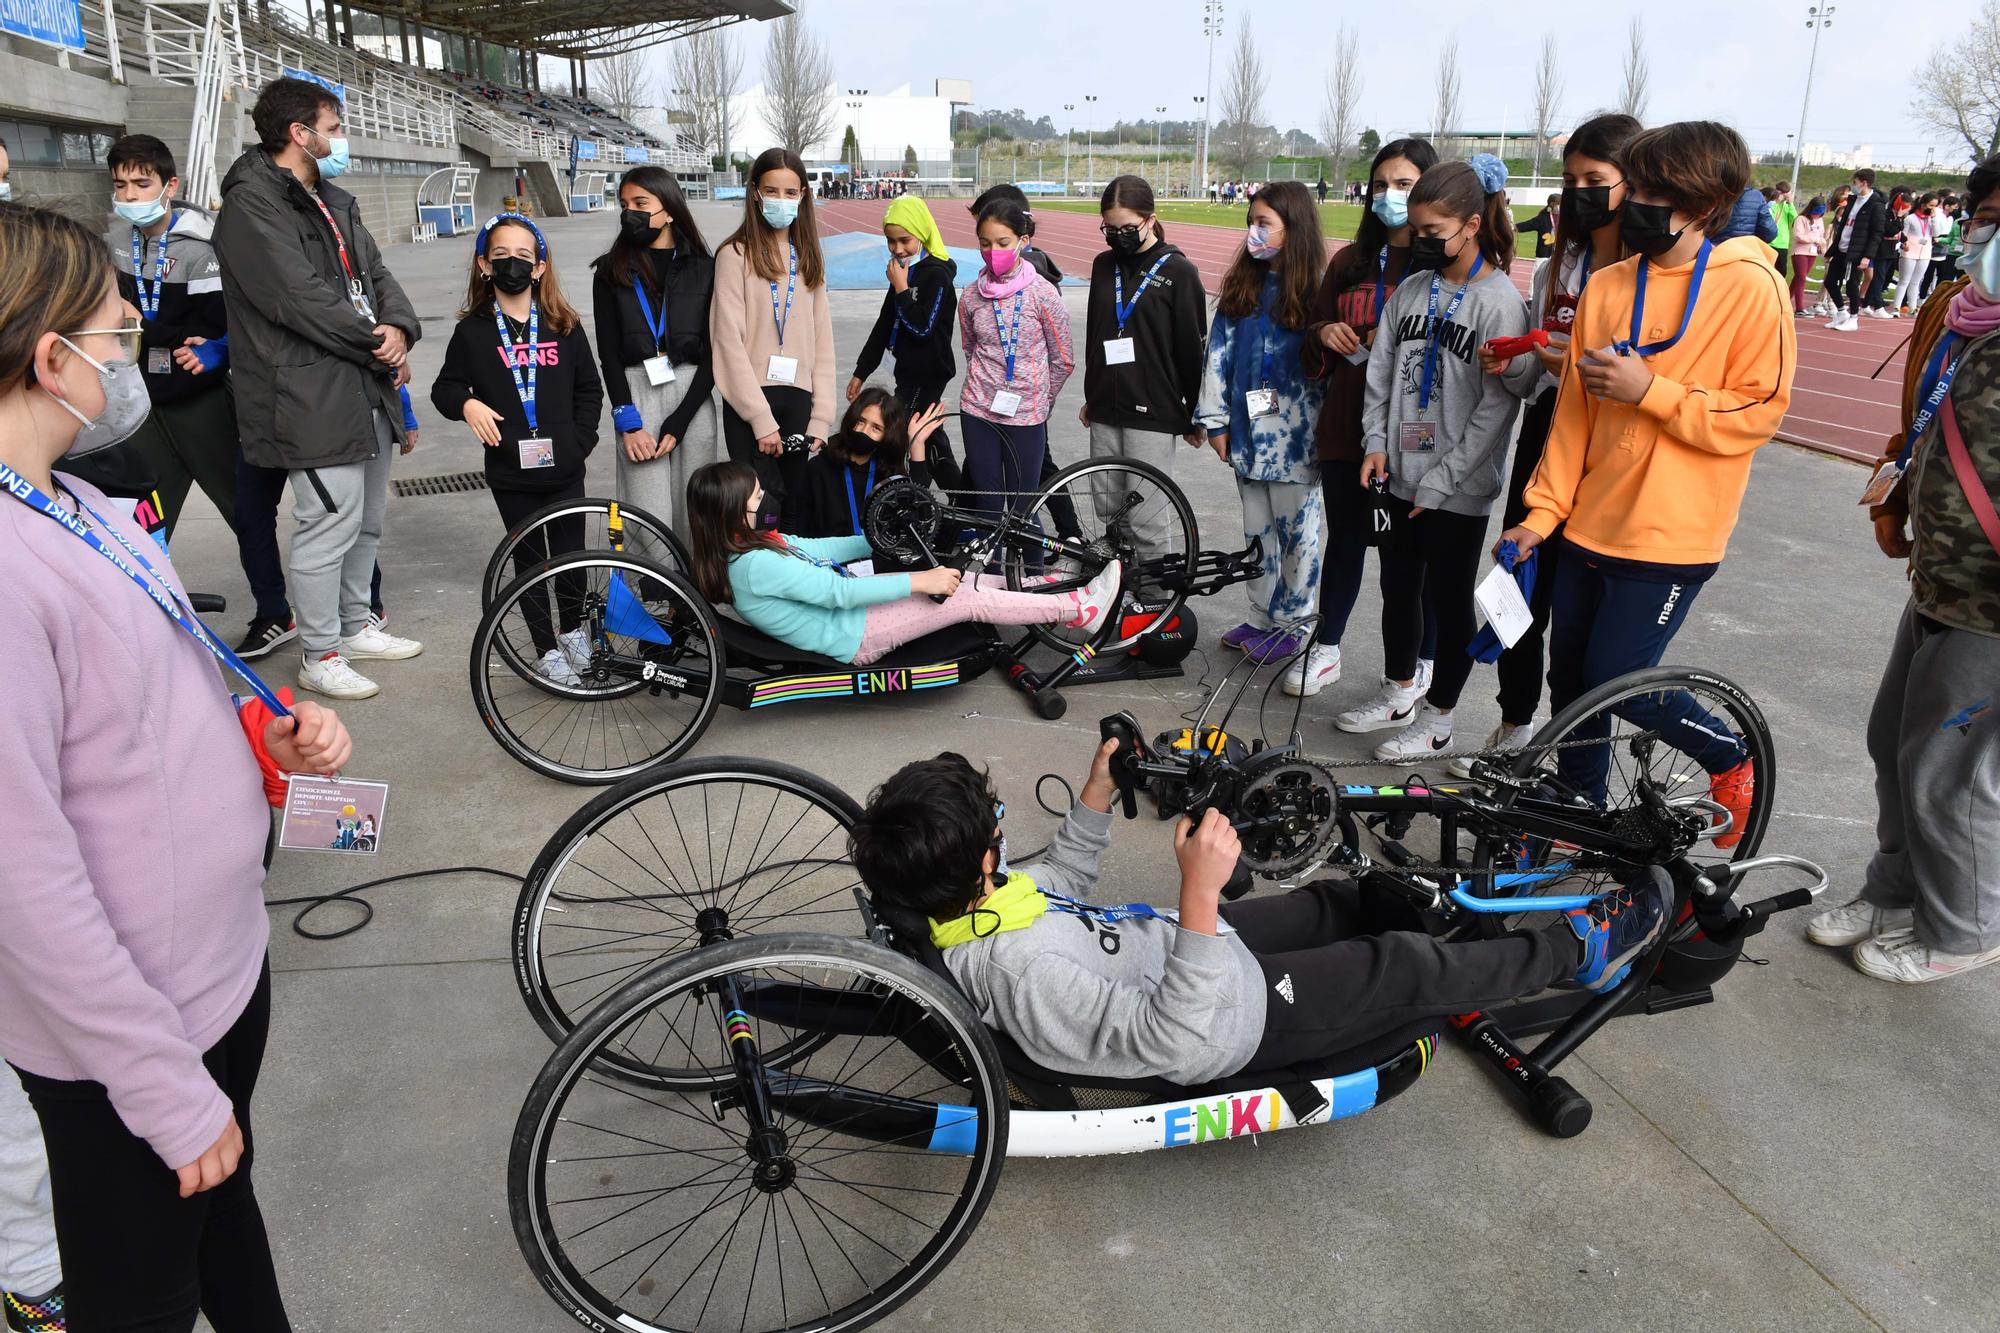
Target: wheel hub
pixel 774 1171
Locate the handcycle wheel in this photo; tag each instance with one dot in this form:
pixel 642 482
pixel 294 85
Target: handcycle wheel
pixel 757 845
pixel 1627 713
pixel 590 527
pixel 658 1210
pixel 1125 510
pixel 636 677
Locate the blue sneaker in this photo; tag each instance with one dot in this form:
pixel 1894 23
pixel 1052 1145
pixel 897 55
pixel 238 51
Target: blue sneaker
pixel 1619 926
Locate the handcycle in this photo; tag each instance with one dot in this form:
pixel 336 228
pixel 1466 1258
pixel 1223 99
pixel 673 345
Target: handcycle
pixel 798 1130
pixel 605 661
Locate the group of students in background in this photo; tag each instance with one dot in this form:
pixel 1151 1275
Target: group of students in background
pixel 1884 255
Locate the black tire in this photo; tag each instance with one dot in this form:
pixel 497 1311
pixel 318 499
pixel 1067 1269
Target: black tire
pixel 645 536
pixel 634 705
pixel 621 881
pixel 595 1163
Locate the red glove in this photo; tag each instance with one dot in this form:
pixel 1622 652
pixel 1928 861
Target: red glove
pixel 255 716
pixel 1509 348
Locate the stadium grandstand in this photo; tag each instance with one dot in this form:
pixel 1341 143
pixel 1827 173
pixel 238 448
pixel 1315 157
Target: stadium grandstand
pixel 452 106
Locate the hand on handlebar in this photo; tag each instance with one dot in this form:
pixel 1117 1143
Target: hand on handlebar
pixel 1207 853
pixel 940 582
pixel 1100 789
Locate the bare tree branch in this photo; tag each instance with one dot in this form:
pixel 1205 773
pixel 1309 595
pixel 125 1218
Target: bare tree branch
pixel 1548 97
pixel 1444 109
pixel 798 85
pixel 1632 101
pixel 1958 88
pixel 1243 105
pixel 707 73
pixel 1340 117
pixel 623 83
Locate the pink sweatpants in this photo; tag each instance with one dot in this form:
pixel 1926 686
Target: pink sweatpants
pixel 890 625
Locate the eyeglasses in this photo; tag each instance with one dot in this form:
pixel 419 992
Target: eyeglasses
pixel 1109 230
pixel 128 336
pixel 1980 230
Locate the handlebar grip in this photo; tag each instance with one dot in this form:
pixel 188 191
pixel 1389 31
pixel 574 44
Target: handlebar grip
pixel 1783 902
pixel 1124 729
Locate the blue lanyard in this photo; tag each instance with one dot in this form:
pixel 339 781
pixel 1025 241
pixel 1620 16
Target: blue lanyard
pixel 818 563
pixel 657 328
pixel 1264 329
pixel 1381 280
pixel 149 302
pixel 1939 375
pixel 1632 346
pixel 791 284
pixel 1436 328
pixel 1119 308
pixel 1126 912
pixel 868 489
pixel 1010 341
pixel 525 387
pixel 28 494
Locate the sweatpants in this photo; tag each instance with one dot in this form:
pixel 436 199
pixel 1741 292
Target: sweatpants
pixel 1831 280
pixel 339 512
pixel 1350 519
pixel 560 537
pixel 1345 963
pixel 1288 517
pixel 1603 625
pixel 1910 273
pixel 1003 462
pixel 792 407
pixel 29 1264
pixel 189 443
pixel 136 1256
pixel 1149 524
pixel 981 597
pixel 1520 666
pixel 1885 269
pixel 659 485
pixel 1860 282
pixel 1934 734
pixel 1435 555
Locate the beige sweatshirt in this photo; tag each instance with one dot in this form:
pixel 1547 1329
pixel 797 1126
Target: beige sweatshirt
pixel 744 338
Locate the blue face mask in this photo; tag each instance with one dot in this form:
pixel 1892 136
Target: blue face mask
pixel 1393 207
pixel 142 212
pixel 335 162
pixel 6 191
pixel 1981 266
pixel 781 213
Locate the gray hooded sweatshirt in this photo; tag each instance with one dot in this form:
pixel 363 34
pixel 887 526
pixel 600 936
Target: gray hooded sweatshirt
pixel 1474 412
pixel 1135 998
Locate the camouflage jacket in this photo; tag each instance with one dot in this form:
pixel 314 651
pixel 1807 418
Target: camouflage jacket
pixel 1954 568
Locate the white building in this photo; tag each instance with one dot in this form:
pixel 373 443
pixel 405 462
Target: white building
pixel 886 124
pixel 1824 155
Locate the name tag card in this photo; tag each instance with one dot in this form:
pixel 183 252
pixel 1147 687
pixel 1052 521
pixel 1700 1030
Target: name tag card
pixel 1416 437
pixel 538 453
pixel 1119 352
pixel 783 370
pixel 333 814
pixel 1261 402
pixel 1006 402
pixel 1498 596
pixel 659 370
pixel 159 361
pixel 1883 482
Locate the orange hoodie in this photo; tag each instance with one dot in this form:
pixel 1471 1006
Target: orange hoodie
pixel 1661 480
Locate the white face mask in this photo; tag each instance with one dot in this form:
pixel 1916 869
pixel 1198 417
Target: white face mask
pixel 6 191
pixel 126 405
pixel 1981 266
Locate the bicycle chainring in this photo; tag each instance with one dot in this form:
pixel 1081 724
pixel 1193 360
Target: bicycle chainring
pixel 897 510
pixel 1285 812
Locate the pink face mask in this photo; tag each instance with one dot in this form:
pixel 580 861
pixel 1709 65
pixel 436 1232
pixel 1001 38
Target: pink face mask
pixel 1002 261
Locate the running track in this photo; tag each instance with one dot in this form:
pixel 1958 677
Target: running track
pixel 1836 407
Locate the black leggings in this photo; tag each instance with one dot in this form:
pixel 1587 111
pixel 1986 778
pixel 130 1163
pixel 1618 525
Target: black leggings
pixel 558 538
pixel 1521 666
pixel 1349 523
pixel 792 407
pixel 1433 557
pixel 136 1257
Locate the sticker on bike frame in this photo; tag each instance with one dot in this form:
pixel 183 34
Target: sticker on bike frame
pixel 341 815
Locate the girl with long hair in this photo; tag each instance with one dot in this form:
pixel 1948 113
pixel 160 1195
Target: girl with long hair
pixel 878 439
pixel 1258 407
pixel 650 301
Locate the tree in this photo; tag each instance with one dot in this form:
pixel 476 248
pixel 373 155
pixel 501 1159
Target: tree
pixel 850 149
pixel 1338 117
pixel 1632 101
pixel 1370 143
pixel 1958 88
pixel 909 159
pixel 798 85
pixel 1444 107
pixel 623 83
pixel 707 75
pixel 1243 105
pixel 1548 94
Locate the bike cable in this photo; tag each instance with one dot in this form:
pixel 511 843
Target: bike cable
pixel 313 902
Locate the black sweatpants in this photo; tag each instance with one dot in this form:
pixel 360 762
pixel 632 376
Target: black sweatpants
pixel 792 406
pixel 1436 557
pixel 558 538
pixel 1859 283
pixel 136 1257
pixel 1350 521
pixel 1346 963
pixel 1521 666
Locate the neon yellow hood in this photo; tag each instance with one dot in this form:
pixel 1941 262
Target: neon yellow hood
pixel 913 215
pixel 1017 903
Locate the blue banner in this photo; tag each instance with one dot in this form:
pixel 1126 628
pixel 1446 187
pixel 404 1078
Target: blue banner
pixel 636 155
pixel 339 90
pixel 586 149
pixel 57 22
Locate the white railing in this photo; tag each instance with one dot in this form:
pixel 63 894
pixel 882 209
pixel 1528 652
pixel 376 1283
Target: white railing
pixel 218 60
pixel 100 42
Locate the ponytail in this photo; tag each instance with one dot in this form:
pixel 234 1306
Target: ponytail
pixel 1475 189
pixel 1135 193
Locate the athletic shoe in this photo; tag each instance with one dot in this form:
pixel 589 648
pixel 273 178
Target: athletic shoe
pixel 1502 737
pixel 555 667
pixel 1392 707
pixel 1095 599
pixel 1877 312
pixel 265 634
pixel 35 1314
pixel 1319 669
pixel 1242 634
pixel 1620 926
pixel 1859 920
pixel 332 676
pixel 1428 733
pixel 1903 312
pixel 1839 316
pixel 1733 791
pixel 1847 323
pixel 375 644
pixel 1901 956
pixel 1274 646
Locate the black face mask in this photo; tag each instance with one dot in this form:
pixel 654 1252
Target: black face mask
pixel 1648 228
pixel 1125 240
pixel 857 444
pixel 1590 205
pixel 1428 255
pixel 637 225
pixel 513 275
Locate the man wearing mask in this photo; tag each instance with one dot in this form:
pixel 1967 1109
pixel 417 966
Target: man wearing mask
pixel 1858 233
pixel 320 339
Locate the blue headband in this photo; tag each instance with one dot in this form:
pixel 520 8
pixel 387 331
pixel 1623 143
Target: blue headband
pixel 1492 172
pixel 518 219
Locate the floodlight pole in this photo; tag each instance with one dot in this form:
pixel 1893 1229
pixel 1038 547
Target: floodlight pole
pixel 1090 141
pixel 1069 133
pixel 1819 18
pixel 1211 28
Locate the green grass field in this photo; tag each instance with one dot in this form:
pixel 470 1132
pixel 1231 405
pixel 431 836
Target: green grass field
pixel 1338 220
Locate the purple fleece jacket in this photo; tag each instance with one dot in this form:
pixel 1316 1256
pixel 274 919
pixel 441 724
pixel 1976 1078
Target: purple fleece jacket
pixel 132 927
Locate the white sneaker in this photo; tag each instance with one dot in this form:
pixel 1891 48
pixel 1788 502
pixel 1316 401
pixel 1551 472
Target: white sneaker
pixel 555 667
pixel 332 676
pixel 575 646
pixel 1502 737
pixel 1428 733
pixel 372 643
pixel 1393 707
pixel 1857 921
pixel 1901 956
pixel 1877 312
pixel 1319 668
pixel 1095 599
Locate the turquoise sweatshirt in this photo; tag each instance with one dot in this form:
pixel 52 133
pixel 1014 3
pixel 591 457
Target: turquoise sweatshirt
pixel 811 606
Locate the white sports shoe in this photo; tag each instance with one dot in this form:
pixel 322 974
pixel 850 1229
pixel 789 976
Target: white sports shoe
pixel 1901 956
pixel 1844 324
pixel 555 667
pixel 332 676
pixel 1857 921
pixel 1428 733
pixel 575 645
pixel 1319 668
pixel 1502 737
pixel 372 643
pixel 1095 599
pixel 1877 312
pixel 1392 707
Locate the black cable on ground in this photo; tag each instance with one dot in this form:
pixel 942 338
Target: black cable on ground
pixel 313 902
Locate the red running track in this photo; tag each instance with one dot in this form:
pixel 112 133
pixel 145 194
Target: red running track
pixel 1837 407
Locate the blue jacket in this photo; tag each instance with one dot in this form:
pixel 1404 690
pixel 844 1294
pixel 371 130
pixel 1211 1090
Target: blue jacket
pixel 1277 447
pixel 1751 217
pixel 811 605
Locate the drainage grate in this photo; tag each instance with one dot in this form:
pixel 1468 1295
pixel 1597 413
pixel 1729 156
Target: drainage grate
pixel 450 483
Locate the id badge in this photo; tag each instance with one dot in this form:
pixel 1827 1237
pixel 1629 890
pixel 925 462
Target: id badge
pixel 359 299
pixel 159 361
pixel 1416 437
pixel 1261 402
pixel 783 370
pixel 333 814
pixel 1359 356
pixel 1883 482
pixel 659 370
pixel 1006 402
pixel 538 453
pixel 1119 352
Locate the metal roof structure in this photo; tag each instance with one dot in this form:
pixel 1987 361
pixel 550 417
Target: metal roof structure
pixel 575 29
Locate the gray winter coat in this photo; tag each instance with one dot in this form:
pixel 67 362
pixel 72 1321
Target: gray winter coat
pixel 301 360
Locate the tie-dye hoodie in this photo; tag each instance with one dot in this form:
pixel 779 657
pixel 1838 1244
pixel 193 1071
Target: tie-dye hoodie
pixel 1256 352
